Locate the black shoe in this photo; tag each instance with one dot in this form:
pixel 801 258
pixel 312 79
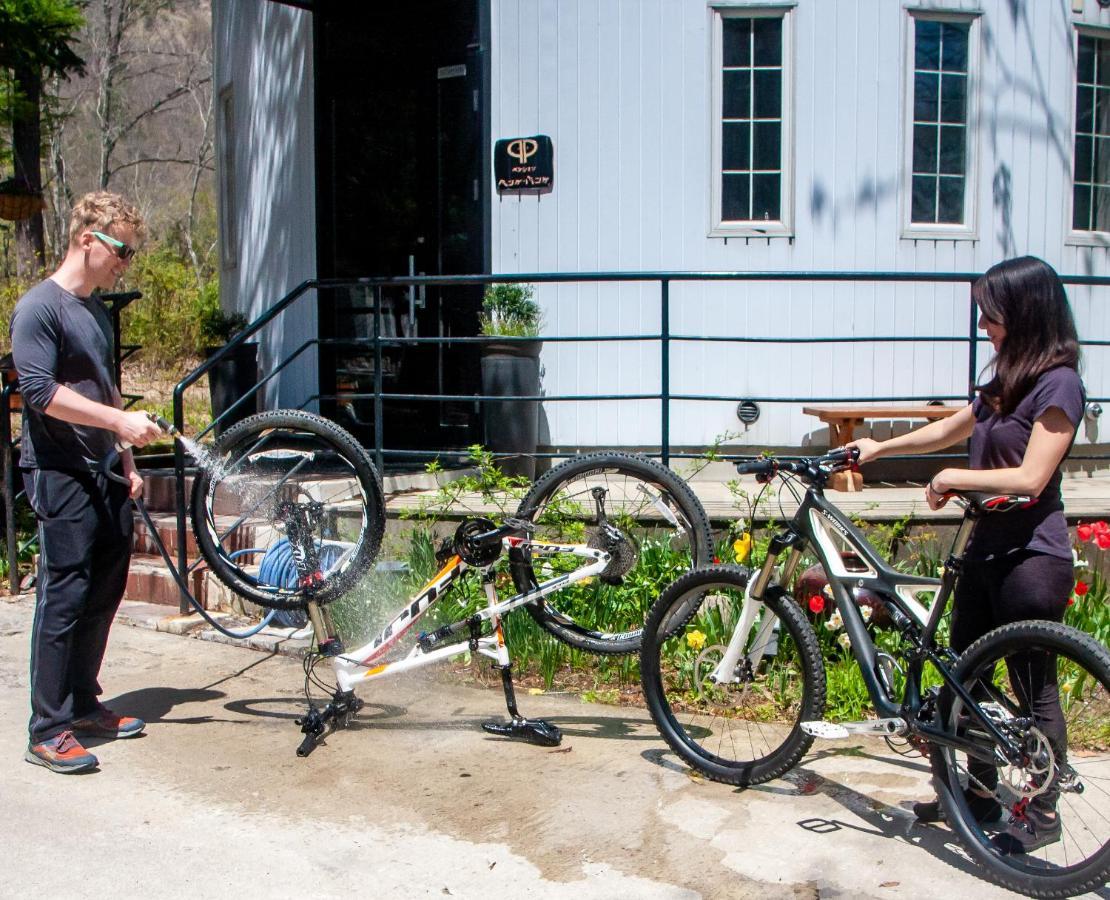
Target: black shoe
pixel 985 809
pixel 1035 829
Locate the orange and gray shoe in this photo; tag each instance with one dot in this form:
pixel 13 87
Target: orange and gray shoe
pixel 103 723
pixel 61 753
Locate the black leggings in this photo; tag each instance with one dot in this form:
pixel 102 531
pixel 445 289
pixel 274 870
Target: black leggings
pixel 1025 585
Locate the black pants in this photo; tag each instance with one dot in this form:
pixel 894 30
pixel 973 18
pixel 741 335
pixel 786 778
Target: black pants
pixel 1025 585
pixel 85 525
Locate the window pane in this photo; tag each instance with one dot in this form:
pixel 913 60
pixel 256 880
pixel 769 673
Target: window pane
pixel 1102 62
pixel 925 96
pixel 735 145
pixel 768 94
pixel 924 204
pixel 1084 109
pixel 1100 161
pixel 953 39
pixel 1100 122
pixel 734 198
pixel 736 40
pixel 1100 212
pixel 924 148
pixel 737 95
pixel 768 41
pixel 1085 65
pixel 765 198
pixel 951 201
pixel 768 145
pixel 1083 152
pixel 926 44
pixel 953 97
pixel 1081 208
pixel 952 150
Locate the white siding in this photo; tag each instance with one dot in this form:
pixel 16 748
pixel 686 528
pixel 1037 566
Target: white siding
pixel 623 88
pixel 264 53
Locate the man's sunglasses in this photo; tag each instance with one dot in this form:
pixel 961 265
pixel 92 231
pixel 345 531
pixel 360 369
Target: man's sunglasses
pixel 123 251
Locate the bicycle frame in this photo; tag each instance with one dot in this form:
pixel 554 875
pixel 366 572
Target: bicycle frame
pixel 364 664
pixel 814 524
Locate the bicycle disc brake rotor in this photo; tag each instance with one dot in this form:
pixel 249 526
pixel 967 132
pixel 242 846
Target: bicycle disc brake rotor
pixel 1038 773
pixel 622 554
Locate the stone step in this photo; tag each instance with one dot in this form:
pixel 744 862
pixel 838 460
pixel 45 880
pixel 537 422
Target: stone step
pixel 246 535
pixel 149 581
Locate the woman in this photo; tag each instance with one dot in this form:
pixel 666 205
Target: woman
pixel 1018 564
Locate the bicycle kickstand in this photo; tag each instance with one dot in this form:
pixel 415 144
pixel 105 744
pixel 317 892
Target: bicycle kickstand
pixel 317 724
pixel 534 731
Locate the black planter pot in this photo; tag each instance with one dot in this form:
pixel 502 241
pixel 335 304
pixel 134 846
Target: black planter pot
pixel 231 378
pixel 512 426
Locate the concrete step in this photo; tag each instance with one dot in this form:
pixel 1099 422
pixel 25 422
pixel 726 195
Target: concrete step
pixel 246 535
pixel 149 581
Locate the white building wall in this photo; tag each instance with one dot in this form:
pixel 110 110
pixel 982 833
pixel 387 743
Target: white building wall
pixel 264 61
pixel 623 89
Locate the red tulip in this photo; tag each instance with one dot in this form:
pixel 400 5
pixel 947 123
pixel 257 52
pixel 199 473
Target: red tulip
pixel 1103 541
pixel 1083 532
pixel 1100 527
pixel 817 604
pixel 1081 587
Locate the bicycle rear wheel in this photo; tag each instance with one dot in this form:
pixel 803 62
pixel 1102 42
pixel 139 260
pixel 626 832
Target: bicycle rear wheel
pixel 1063 770
pixel 289 510
pixel 743 729
pixel 634 508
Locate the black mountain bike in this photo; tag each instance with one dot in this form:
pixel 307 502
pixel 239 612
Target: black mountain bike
pixel 735 681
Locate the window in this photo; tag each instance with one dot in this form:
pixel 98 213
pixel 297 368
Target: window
pixel 941 182
pixel 1091 183
pixel 752 187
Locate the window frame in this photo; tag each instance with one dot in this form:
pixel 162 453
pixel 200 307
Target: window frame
pixel 1073 236
pixel 784 226
pixel 941 231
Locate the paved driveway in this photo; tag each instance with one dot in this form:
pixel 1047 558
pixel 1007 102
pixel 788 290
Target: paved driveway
pixel 416 801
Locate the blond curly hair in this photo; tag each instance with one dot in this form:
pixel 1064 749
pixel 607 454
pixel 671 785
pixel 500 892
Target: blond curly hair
pixel 99 210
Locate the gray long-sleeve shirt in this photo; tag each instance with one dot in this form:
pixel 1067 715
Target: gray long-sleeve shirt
pixel 60 339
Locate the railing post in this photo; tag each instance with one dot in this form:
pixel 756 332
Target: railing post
pixel 972 341
pixel 9 487
pixel 665 375
pixel 179 490
pixel 378 454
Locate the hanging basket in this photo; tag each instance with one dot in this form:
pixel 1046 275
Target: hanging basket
pixel 16 206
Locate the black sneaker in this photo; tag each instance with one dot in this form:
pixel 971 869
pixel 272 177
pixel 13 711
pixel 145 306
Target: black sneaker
pixel 985 809
pixel 1037 828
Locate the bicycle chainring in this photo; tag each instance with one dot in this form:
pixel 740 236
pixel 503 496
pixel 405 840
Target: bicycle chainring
pixel 470 552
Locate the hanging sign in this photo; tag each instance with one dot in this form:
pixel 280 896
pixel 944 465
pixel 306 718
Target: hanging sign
pixel 524 165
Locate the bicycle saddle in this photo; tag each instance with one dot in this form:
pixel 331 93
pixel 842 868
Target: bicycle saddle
pixel 983 502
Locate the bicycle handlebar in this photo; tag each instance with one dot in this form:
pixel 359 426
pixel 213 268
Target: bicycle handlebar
pixel 811 467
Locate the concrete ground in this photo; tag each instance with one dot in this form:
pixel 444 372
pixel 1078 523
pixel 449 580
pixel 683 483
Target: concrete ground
pixel 416 801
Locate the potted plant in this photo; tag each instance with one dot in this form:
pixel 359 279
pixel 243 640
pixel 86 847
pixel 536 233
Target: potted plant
pixel 512 368
pixel 235 374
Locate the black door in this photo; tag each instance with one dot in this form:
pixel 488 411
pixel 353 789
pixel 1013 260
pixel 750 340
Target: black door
pixel 400 174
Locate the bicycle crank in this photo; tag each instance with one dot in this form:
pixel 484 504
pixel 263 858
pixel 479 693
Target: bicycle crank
pixel 835 731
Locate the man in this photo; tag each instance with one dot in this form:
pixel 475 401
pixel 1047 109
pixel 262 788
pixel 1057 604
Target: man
pixel 72 422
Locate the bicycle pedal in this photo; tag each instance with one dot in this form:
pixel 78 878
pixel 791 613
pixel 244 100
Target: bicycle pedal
pixel 829 731
pixel 534 731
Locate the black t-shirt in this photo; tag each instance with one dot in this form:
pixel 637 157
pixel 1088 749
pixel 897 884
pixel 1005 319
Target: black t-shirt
pixel 60 339
pixel 999 442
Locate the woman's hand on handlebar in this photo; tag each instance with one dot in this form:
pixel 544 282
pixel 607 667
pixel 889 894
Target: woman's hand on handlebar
pixel 867 447
pixel 937 491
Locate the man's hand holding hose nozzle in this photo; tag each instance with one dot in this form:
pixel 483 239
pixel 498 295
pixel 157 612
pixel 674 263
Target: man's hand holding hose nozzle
pixel 137 429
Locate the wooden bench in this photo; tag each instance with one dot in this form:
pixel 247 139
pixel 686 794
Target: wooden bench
pixel 843 421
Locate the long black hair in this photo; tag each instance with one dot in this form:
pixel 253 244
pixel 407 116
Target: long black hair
pixel 1025 296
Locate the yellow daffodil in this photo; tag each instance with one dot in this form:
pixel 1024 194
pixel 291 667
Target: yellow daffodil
pixel 742 547
pixel 695 640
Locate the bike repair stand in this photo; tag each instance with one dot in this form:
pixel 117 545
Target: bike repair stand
pixel 317 724
pixel 534 731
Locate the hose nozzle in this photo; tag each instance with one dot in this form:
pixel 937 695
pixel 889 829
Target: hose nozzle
pixel 167 427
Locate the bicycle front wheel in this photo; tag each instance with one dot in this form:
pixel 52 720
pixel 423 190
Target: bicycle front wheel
pixel 637 510
pixel 741 726
pixel 1045 686
pixel 287 507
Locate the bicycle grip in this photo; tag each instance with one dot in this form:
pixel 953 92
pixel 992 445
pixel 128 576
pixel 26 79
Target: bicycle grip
pixel 755 467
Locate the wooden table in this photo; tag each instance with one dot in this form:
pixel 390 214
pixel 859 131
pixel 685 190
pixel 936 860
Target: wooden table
pixel 843 420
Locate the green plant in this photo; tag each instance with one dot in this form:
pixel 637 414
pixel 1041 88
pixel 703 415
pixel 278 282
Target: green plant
pixel 508 310
pixel 216 326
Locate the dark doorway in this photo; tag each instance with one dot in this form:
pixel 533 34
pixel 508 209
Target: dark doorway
pixel 401 181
